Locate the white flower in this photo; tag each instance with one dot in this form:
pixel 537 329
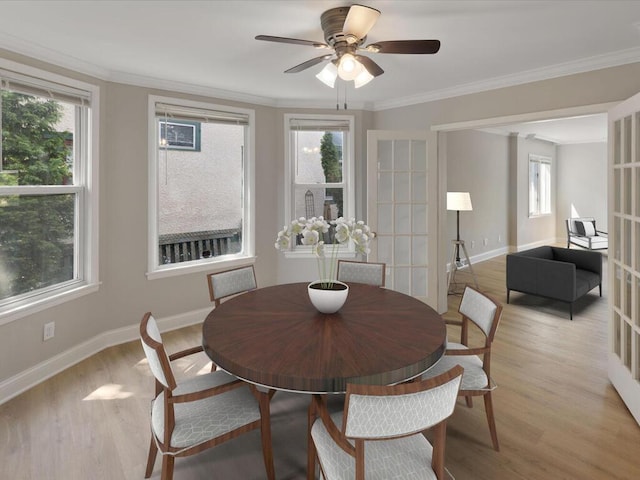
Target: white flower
pixel 312 232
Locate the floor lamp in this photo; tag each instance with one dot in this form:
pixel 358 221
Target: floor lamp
pixel 459 201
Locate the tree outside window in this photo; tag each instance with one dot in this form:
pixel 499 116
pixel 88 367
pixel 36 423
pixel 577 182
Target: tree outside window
pixel 36 231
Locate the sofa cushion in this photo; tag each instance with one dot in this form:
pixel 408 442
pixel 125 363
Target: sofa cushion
pixel 585 281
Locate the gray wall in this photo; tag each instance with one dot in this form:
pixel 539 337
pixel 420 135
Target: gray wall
pixel 478 163
pixel 125 293
pixel 582 184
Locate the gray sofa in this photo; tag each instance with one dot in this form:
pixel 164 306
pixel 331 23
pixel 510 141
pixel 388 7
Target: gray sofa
pixel 554 272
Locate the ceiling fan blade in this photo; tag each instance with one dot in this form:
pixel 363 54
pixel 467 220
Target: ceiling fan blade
pixel 405 46
pixel 308 63
pixel 372 67
pixel 295 41
pixel 359 20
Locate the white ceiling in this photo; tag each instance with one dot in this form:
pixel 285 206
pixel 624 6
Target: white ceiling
pixel 209 47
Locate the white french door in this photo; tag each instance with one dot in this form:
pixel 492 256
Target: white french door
pixel 624 252
pixel 401 209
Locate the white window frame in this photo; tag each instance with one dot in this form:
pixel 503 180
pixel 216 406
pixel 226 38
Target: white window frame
pixel 536 186
pixel 247 255
pixel 348 180
pixel 85 187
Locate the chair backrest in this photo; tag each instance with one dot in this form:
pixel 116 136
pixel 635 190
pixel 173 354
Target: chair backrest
pixel 231 282
pixel 376 412
pixel 361 272
pixel 481 310
pixel 156 354
pixel 575 229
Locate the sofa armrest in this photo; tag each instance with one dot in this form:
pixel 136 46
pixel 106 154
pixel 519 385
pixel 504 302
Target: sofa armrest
pixel 582 259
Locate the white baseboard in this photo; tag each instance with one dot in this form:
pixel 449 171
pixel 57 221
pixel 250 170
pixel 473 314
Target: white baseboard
pixel 31 377
pixel 541 243
pixel 482 257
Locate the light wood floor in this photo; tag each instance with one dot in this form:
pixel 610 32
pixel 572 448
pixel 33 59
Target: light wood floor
pixel 557 415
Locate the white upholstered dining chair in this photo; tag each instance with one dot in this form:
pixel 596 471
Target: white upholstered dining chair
pixel 379 433
pixel 200 412
pixel 484 312
pixel 231 282
pixel 361 272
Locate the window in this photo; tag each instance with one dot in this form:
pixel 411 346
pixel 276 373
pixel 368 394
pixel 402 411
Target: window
pixel 48 199
pixel 201 165
pixel 319 173
pixel 539 185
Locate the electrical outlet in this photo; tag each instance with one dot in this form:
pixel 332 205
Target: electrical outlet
pixel 485 242
pixel 49 331
pixel 473 244
pixel 499 238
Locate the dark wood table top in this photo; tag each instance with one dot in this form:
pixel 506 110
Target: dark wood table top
pixel 275 337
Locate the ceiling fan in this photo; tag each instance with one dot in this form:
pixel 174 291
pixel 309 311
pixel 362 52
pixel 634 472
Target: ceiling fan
pixel 345 31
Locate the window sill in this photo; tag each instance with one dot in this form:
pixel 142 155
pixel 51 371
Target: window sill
pixel 36 304
pixel 200 266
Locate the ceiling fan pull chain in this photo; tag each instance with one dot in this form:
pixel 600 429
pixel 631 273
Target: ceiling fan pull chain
pixel 345 97
pixel 338 96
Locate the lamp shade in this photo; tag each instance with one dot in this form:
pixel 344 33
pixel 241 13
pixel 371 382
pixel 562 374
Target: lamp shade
pixel 328 75
pixel 459 201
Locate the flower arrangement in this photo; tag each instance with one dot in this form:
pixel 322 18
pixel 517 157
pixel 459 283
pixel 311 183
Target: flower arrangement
pixel 312 232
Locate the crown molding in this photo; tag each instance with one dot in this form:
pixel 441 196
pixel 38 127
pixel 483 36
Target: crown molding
pixel 597 62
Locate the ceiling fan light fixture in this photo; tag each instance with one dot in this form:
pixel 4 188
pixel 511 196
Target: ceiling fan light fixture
pixel 328 75
pixel 349 68
pixel 363 78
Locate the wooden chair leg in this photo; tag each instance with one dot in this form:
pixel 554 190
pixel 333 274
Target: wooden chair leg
pixel 488 406
pixel 153 452
pixel 167 467
pixel 469 400
pixel 265 433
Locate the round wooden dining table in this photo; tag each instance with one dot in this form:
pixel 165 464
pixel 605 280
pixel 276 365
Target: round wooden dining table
pixel 275 337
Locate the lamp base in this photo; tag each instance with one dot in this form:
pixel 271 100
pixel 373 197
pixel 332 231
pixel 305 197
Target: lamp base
pixel 457 264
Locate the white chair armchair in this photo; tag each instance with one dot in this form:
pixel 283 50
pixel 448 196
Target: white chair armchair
pixel 200 412
pixel 583 232
pixel 482 311
pixel 390 421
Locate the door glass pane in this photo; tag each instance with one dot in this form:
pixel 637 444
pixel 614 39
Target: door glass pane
pixel 419 218
pixel 402 222
pixel 419 282
pixel 419 187
pixel 419 250
pixel 385 187
pixel 401 155
pixel 385 249
pixel 627 158
pixel 36 234
pixel 402 187
pixel 385 219
pixel 418 156
pixel 385 154
pixel 402 280
pixel 627 192
pixel 402 250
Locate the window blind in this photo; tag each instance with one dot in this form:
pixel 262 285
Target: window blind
pixel 179 112
pixel 19 83
pixel 314 125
